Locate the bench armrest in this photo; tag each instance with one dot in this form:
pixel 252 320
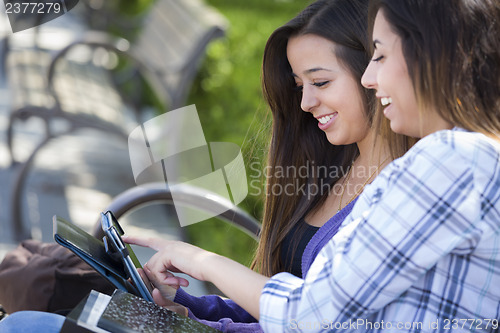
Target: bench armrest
pixel 159 192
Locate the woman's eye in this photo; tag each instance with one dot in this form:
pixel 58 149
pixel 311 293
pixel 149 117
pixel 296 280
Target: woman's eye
pixel 320 84
pixel 378 58
pixel 297 88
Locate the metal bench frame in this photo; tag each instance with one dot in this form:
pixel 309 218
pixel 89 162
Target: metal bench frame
pixel 161 193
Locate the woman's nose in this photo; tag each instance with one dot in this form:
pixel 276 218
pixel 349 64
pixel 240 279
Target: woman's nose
pixel 309 99
pixel 369 78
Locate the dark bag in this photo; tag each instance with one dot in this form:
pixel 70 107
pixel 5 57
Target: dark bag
pixel 46 277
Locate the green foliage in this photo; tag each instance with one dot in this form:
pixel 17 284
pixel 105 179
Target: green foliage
pixel 133 7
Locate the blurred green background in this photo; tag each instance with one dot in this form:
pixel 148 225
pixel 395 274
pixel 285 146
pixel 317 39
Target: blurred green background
pixel 228 97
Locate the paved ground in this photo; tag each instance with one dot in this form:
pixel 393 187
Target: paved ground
pixel 75 177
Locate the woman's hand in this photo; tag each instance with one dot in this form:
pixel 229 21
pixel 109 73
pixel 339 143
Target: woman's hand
pixel 167 291
pixel 163 295
pixel 236 281
pixel 168 304
pixel 172 256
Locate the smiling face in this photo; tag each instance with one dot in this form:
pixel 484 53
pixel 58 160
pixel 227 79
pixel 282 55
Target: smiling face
pixel 388 74
pixel 329 91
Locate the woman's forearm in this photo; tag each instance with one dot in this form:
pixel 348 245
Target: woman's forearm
pixel 236 281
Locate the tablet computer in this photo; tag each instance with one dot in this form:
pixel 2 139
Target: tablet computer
pixel 116 266
pixel 121 251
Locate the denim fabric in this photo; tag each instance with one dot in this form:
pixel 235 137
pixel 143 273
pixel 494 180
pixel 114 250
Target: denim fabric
pixel 32 321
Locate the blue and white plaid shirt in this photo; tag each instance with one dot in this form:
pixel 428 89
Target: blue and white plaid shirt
pixel 420 251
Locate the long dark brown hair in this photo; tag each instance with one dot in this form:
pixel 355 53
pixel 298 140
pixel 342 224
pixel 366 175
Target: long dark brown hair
pixel 452 51
pixel 302 164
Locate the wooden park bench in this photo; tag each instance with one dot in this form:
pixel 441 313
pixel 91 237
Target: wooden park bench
pixel 75 88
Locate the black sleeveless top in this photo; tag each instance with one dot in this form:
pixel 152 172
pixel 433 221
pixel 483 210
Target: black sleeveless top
pixel 292 250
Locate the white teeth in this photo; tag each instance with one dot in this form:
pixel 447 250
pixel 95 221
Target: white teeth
pixel 385 101
pixel 325 119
